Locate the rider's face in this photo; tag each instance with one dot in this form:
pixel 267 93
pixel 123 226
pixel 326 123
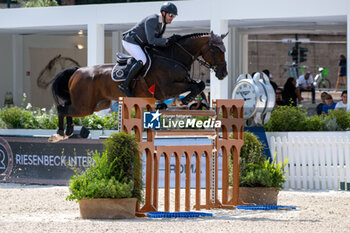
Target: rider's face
pixel 169 18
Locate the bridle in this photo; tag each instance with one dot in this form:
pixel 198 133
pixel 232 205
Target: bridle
pixel 206 64
pixel 201 62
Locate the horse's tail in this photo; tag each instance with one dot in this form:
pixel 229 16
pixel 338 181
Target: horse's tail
pixel 59 86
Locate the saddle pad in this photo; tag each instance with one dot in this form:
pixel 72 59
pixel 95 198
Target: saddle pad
pixel 119 73
pixel 120 70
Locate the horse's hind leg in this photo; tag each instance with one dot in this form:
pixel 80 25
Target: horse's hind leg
pixel 195 89
pixel 62 112
pixel 69 126
pixel 60 130
pixel 69 119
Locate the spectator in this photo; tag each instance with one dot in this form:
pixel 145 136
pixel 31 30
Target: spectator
pixel 344 101
pixel 341 72
pixel 305 83
pixel 176 101
pixel 201 103
pixel 279 97
pixel 274 85
pixel 208 99
pixel 330 105
pixel 290 93
pixel 320 105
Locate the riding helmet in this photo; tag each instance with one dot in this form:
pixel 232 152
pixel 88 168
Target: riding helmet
pixel 169 7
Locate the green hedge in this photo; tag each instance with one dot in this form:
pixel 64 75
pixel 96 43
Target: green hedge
pixel 35 118
pixel 290 118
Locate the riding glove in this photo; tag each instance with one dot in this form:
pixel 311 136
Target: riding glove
pixel 173 39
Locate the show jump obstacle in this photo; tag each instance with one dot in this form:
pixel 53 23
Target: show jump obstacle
pixel 230 113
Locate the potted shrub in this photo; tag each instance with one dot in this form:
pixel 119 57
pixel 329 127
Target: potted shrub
pixel 261 182
pixel 110 187
pixel 260 178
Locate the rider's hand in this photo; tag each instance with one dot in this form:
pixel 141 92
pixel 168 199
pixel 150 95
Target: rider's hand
pixel 173 39
pixel 176 37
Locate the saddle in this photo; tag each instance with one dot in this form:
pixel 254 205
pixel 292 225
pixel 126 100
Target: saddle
pixel 124 63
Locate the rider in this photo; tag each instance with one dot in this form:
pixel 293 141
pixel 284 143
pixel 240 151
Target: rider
pixel 147 32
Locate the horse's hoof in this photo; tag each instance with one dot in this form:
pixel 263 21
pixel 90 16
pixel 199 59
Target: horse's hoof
pixel 69 132
pixel 161 106
pixel 56 138
pixel 185 101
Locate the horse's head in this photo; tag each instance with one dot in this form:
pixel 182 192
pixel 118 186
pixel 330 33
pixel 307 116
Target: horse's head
pixel 214 54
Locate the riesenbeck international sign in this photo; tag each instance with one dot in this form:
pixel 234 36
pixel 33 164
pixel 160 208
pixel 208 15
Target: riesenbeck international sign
pixel 34 160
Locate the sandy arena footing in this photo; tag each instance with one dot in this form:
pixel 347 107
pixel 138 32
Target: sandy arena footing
pixel 34 208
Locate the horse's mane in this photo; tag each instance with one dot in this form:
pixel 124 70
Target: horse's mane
pixel 188 36
pixel 215 40
pixel 194 35
pixel 160 50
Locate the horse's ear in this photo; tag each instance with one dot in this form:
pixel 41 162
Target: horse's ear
pixel 224 35
pixel 212 36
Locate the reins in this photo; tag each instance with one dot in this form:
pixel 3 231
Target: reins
pixel 201 62
pixel 172 60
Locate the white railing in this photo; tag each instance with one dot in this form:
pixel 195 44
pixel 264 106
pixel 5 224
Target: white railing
pixel 315 163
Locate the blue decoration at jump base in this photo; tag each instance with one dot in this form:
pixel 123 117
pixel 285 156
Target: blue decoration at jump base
pixel 178 214
pixel 265 207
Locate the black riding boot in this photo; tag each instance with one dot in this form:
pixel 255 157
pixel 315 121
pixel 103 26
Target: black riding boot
pixel 124 87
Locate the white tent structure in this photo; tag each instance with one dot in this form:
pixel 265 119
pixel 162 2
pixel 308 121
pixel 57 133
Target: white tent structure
pixel 239 18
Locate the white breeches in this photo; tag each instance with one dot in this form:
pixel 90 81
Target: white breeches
pixel 135 51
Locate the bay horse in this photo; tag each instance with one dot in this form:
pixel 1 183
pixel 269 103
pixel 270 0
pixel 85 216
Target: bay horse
pixel 79 92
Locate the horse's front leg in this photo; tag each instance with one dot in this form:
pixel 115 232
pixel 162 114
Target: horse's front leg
pixel 195 88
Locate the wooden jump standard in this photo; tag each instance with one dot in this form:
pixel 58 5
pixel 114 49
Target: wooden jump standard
pixel 229 112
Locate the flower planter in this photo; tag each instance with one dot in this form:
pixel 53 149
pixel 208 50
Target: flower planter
pixel 107 208
pixel 257 195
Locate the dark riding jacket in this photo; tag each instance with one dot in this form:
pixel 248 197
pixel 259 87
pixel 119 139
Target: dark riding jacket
pixel 147 32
